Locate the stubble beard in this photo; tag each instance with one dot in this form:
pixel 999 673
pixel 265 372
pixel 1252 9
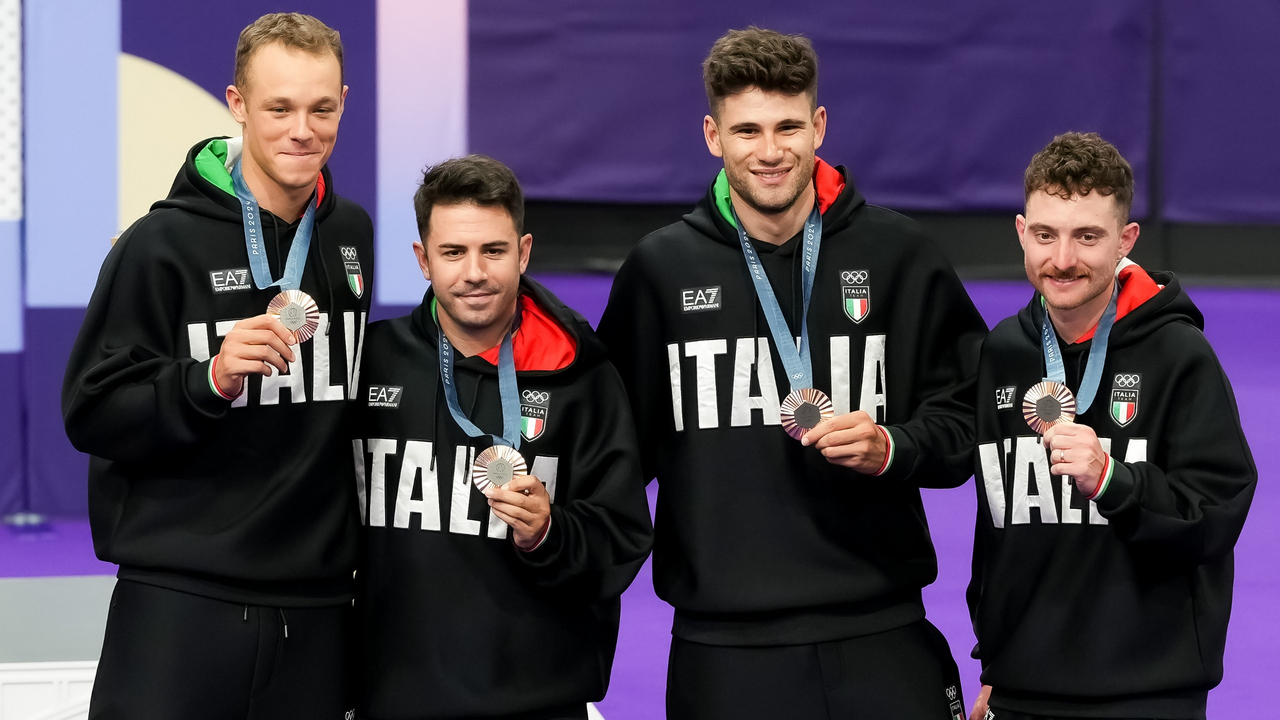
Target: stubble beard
pixel 740 180
pixel 476 321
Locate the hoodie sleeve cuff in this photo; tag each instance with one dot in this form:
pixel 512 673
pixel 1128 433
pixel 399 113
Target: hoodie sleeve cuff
pixel 901 454
pixel 547 549
pixel 203 390
pixel 1115 488
pixel 546 530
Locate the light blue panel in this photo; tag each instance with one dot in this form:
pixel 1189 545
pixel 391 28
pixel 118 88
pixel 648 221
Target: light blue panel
pixel 71 52
pixel 10 286
pixel 422 120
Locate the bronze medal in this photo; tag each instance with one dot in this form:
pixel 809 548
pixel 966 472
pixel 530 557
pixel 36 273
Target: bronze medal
pixel 497 465
pixel 1047 404
pixel 803 409
pixel 297 311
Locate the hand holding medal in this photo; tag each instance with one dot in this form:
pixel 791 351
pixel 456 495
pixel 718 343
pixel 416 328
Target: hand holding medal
pixel 255 346
pixel 1075 450
pixel 1050 409
pixel 852 440
pixel 522 503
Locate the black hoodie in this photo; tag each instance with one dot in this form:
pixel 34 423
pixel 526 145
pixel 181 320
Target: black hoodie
pixel 248 501
pixel 455 621
pixel 1115 607
pixel 759 540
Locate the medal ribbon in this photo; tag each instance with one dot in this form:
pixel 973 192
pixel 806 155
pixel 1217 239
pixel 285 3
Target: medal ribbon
pixel 798 363
pixel 1057 372
pixel 253 240
pixel 507 389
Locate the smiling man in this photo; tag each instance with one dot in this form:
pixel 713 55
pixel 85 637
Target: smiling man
pixel 798 362
pixel 211 383
pixel 500 479
pixel 1103 555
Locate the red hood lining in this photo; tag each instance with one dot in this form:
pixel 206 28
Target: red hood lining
pixel 541 343
pixel 828 182
pixel 1136 287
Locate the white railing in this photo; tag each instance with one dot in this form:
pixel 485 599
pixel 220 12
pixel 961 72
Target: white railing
pixel 46 690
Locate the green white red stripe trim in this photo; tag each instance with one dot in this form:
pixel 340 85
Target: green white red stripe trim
pixel 213 380
pixel 545 531
pixel 1107 470
pixel 888 456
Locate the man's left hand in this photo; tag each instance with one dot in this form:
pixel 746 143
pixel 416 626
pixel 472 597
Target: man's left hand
pixel 523 504
pixel 851 440
pixel 1074 450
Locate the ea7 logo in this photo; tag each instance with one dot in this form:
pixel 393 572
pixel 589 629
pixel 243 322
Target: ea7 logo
pixel 385 396
pixel 700 299
pixel 230 280
pixel 1005 396
pixel 1124 397
pixel 856 294
pixel 533 412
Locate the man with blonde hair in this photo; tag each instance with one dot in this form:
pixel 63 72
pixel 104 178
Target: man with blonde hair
pixel 210 384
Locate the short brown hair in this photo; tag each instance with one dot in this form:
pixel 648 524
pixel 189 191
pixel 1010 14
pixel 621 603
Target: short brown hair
pixel 760 58
pixel 1076 164
pixel 294 30
pixel 476 179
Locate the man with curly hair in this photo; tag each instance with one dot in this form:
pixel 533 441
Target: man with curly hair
pixel 1112 474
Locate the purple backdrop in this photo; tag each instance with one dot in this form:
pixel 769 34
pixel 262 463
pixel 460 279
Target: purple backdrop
pixel 198 41
pixel 1220 110
pixel 12 468
pixel 55 471
pixel 933 105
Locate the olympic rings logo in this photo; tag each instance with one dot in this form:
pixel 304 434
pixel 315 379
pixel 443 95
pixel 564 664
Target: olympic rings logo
pixel 537 397
pixel 348 253
pixel 854 277
pixel 1127 381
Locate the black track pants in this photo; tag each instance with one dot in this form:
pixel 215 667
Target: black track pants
pixel 170 655
pixel 904 674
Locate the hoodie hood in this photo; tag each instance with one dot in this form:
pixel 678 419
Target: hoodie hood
pixel 553 338
pixel 203 186
pixel 838 200
pixel 1147 302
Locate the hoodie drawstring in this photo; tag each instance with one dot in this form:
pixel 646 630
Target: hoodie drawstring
pixel 324 266
pixel 284 622
pixel 324 273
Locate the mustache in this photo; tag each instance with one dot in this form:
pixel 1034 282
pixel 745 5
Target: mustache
pixel 484 287
pixel 1070 273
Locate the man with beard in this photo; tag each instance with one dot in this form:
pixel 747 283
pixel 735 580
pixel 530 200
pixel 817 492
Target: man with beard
pixel 499 479
pixel 1103 555
pixel 799 364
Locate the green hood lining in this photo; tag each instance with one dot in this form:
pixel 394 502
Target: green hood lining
pixel 720 189
pixel 211 163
